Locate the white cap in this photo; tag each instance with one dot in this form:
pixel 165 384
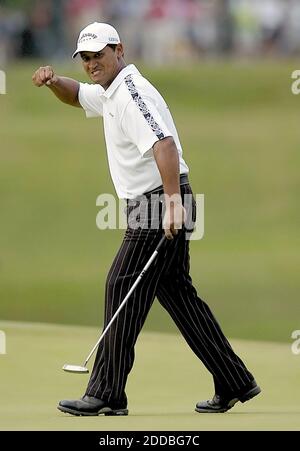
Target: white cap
pixel 95 37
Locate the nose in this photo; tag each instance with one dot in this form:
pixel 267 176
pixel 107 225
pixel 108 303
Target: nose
pixel 92 64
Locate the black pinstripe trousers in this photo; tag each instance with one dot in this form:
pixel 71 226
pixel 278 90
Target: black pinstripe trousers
pixel 167 279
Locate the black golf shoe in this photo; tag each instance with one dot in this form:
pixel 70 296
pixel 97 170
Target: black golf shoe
pixel 90 406
pixel 220 404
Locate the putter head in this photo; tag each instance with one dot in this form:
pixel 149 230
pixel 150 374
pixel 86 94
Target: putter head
pixel 75 369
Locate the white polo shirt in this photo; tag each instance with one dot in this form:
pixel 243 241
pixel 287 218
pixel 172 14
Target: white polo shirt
pixel 135 117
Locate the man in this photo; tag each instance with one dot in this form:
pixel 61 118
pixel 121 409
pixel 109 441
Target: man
pixel 145 158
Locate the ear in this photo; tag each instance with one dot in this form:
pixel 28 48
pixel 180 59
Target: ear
pixel 120 50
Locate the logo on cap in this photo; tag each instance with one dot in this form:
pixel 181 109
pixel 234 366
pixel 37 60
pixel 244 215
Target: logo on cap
pixel 87 37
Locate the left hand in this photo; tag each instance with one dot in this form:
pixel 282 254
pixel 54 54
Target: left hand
pixel 174 218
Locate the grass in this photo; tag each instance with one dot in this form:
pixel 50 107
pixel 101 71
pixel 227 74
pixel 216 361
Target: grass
pixel 163 387
pixel 239 129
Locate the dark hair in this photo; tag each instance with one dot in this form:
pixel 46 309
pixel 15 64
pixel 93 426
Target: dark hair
pixel 112 46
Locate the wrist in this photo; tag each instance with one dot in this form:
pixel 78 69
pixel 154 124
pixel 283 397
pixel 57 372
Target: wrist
pixel 173 199
pixel 53 82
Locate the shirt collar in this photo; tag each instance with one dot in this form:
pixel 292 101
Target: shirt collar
pixel 128 70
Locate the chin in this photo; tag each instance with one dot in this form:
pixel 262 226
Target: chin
pixel 97 80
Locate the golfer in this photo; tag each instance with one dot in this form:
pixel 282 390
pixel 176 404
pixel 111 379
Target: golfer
pixel 146 162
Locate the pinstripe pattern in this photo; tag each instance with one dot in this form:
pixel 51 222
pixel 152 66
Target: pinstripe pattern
pixel 168 278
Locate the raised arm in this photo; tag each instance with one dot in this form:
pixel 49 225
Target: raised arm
pixel 65 89
pixel 167 160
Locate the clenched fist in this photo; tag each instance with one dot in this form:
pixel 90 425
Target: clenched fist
pixel 44 76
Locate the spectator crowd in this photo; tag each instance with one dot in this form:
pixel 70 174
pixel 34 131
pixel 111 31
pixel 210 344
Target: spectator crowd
pixel 156 31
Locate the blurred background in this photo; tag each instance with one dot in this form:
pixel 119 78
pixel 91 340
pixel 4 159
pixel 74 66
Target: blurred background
pixel 224 67
pixel 156 31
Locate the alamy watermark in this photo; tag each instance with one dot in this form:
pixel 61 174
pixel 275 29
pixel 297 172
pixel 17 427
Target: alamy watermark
pixel 296 84
pixel 2 342
pixel 296 344
pixel 148 212
pixel 2 82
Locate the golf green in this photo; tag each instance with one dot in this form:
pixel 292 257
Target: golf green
pixel 166 382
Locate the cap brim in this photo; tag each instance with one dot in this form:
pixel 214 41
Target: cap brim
pixel 89 47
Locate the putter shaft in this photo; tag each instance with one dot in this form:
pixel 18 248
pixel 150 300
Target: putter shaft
pixel 144 270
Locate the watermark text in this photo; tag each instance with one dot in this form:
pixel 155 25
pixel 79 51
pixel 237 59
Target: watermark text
pixel 150 212
pixel 296 84
pixel 296 344
pixel 2 342
pixel 2 82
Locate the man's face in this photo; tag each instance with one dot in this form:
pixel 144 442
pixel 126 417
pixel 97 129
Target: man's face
pixel 103 66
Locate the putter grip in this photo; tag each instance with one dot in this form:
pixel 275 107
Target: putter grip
pixel 161 243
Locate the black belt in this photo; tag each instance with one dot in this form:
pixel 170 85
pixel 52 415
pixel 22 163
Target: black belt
pixel 184 180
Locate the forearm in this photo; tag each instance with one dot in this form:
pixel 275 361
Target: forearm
pixel 167 160
pixel 66 90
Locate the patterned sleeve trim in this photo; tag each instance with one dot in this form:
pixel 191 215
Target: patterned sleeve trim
pixel 143 107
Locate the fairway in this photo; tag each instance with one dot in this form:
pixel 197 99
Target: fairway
pixel 239 128
pixel 166 382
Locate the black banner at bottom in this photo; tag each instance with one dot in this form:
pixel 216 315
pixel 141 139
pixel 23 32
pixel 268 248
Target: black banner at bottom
pixel 104 440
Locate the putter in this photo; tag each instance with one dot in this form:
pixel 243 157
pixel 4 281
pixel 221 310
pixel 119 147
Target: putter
pixel 83 369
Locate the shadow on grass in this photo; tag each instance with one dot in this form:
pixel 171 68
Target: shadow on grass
pixel 184 414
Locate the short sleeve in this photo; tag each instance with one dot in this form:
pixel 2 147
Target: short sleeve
pixel 143 125
pixel 89 97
